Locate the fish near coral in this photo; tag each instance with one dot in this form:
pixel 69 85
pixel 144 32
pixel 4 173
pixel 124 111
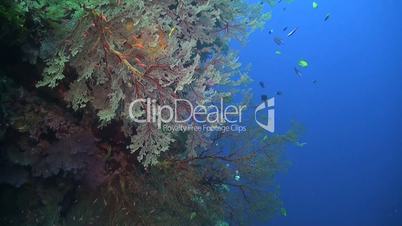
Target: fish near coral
pixel 129 25
pixel 159 45
pixel 172 31
pixel 162 40
pixel 278 41
pixel 136 42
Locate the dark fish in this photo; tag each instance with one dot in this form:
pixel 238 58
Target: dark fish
pixel 264 98
pixel 278 41
pixel 315 82
pixel 270 31
pixel 262 84
pixel 68 201
pixel 298 72
pixel 279 93
pixel 292 32
pixel 285 28
pixel 327 17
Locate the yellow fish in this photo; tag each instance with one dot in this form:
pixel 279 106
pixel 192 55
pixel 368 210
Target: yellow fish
pixel 172 31
pixel 130 26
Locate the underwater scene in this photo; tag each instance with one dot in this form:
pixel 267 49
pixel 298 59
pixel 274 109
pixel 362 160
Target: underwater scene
pixel 200 112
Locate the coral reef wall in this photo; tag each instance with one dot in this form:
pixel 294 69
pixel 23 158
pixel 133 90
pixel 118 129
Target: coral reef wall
pixel 71 154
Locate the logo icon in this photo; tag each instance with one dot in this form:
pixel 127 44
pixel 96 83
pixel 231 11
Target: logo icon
pixel 268 104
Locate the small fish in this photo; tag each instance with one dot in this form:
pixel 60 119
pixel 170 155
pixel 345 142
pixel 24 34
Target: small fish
pixel 237 176
pixel 193 215
pixel 142 65
pixel 292 32
pixel 172 31
pixel 279 93
pixel 303 63
pixel 284 213
pixel 130 26
pixel 278 41
pixel 262 84
pixel 139 46
pixel 264 98
pixel 285 28
pixel 277 52
pixel 327 17
pixel 225 188
pixel 298 72
pixel 315 82
pixel 315 5
pixel 137 60
pixel 271 31
pixel 300 145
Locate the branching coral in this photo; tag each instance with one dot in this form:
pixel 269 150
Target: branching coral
pixel 150 49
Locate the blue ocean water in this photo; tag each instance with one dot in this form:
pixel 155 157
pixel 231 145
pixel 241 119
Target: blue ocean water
pixel 350 171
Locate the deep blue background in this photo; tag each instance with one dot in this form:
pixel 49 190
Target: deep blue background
pixel 350 172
